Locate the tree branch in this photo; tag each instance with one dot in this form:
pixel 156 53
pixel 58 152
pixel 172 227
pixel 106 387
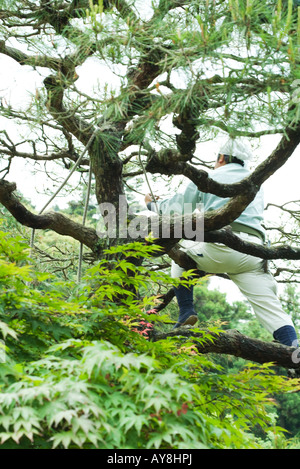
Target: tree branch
pixel 34 61
pixel 232 342
pixel 88 236
pixel 76 126
pixel 171 162
pixel 51 220
pixel 53 156
pixel 227 237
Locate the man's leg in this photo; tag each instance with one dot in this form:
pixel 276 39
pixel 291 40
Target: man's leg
pixel 260 289
pixel 184 295
pixel 187 315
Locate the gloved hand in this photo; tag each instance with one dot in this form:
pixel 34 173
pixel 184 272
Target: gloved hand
pixel 149 198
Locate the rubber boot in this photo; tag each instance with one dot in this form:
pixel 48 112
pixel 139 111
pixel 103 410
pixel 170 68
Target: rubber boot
pixel 187 315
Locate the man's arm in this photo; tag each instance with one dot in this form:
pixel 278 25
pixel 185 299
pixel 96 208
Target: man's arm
pixel 179 203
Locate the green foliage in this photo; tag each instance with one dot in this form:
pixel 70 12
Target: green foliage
pixel 76 374
pixel 102 399
pixel 29 304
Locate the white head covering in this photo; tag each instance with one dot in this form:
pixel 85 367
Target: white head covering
pixel 238 148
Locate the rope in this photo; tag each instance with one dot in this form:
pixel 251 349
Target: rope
pixel 146 177
pixel 77 163
pixel 87 198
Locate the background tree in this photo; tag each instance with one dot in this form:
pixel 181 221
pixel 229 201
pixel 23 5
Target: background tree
pixel 211 306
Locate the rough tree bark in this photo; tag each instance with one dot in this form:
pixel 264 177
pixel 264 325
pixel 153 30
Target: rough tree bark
pixel 232 342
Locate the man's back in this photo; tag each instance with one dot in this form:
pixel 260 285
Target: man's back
pixel 252 216
pixel 187 201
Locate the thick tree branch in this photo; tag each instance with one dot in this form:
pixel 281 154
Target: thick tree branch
pixel 51 220
pixel 234 343
pixel 227 237
pixel 64 226
pixel 171 162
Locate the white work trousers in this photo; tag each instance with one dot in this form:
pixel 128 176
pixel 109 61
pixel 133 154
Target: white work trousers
pixel 259 287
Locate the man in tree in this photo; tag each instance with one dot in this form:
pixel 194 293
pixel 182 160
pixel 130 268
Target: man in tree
pixel 247 272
